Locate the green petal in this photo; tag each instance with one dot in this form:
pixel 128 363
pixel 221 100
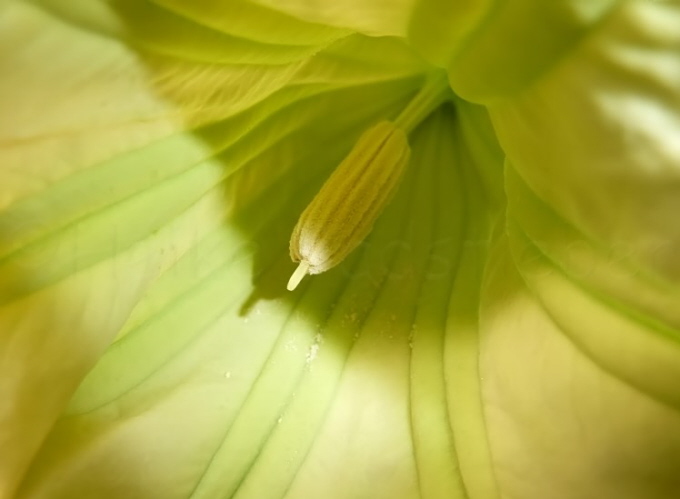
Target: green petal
pixel 494 49
pixel 374 17
pixel 595 142
pixel 205 31
pixel 160 254
pixel 587 274
pixel 224 386
pixel 560 413
pixel 152 348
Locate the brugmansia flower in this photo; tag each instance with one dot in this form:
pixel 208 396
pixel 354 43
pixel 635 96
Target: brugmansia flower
pixel 508 329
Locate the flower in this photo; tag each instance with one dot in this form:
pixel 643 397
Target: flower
pixel 508 329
